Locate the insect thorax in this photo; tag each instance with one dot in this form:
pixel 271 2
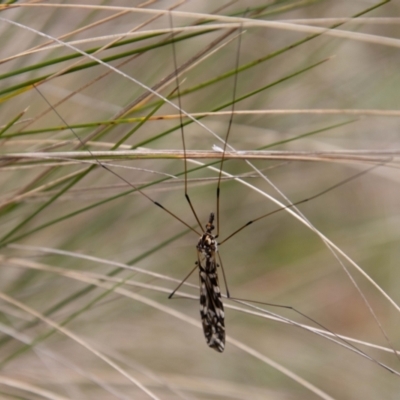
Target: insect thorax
pixel 208 246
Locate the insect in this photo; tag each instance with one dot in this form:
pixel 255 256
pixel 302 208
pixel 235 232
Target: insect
pixel 208 262
pixel 211 306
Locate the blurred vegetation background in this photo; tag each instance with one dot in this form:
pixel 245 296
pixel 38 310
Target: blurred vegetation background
pixel 76 322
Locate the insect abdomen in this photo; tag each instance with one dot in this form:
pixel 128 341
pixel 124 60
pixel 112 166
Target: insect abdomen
pixel 212 311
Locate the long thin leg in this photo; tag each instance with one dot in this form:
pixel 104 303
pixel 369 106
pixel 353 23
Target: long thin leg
pixel 304 200
pixel 340 339
pixel 229 126
pixel 114 173
pixel 181 125
pixel 183 281
pixel 224 276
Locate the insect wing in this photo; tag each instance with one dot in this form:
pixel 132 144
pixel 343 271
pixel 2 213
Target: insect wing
pixel 211 306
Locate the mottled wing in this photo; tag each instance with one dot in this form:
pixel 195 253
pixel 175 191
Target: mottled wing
pixel 211 307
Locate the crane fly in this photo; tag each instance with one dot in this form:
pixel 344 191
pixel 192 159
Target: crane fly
pixel 211 305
